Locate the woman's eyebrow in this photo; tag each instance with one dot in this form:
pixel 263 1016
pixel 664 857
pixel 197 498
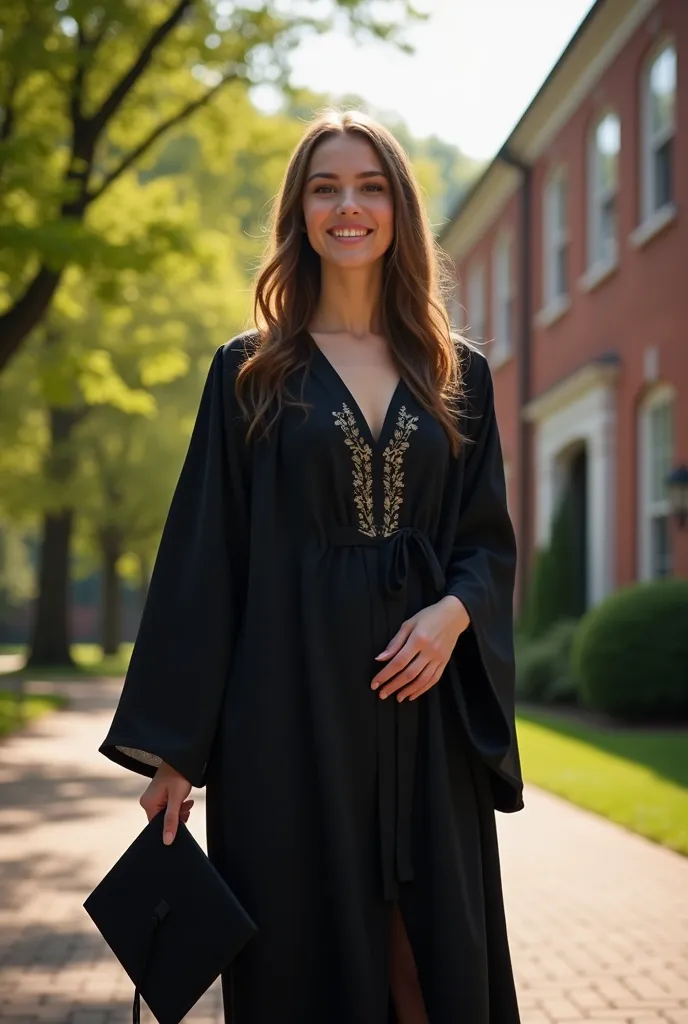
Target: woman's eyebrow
pixel 330 174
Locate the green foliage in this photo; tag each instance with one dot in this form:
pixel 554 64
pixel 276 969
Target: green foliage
pixel 543 666
pixel 631 652
pixel 154 266
pixel 89 97
pixel 121 77
pixel 555 589
pixel 17 710
pixel 89 663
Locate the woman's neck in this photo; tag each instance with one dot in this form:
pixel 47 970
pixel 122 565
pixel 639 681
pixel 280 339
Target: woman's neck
pixel 349 301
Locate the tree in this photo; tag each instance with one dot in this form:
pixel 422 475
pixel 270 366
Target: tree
pixel 132 464
pixel 128 339
pixel 87 93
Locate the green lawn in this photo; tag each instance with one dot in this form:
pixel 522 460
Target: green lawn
pixel 31 707
pixel 89 660
pixel 637 778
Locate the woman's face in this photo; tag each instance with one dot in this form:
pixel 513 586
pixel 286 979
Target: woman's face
pixel 347 202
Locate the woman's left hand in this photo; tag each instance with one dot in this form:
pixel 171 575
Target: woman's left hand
pixel 421 649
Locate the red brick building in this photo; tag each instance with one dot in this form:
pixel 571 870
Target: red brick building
pixel 572 263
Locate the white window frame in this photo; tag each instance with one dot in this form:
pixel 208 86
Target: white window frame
pixel 502 298
pixel 598 196
pixel 650 508
pixel 651 140
pixel 477 304
pixel 556 236
pixel 455 311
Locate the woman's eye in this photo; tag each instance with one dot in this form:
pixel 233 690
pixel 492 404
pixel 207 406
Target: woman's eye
pixel 376 188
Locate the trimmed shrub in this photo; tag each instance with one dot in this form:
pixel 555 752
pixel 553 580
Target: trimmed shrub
pixel 555 589
pixel 630 653
pixel 543 666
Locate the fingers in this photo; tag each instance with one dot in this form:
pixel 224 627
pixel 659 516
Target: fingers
pixel 402 662
pixel 397 642
pixel 407 672
pixel 416 676
pixel 175 813
pixel 168 791
pixel 422 684
pixel 171 821
pixel 402 649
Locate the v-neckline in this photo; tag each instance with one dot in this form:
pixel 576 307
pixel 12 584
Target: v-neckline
pixel 330 368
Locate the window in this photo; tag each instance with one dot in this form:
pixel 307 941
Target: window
pixel 659 125
pixel 502 299
pixel 603 187
pixel 656 453
pixel 476 303
pixel 556 239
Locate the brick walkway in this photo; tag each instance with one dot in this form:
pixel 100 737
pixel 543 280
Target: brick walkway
pixel 598 918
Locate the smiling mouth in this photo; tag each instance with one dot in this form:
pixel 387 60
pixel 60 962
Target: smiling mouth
pixel 345 234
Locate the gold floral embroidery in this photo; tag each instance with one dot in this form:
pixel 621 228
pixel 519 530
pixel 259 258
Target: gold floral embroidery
pixel 393 471
pixel 393 474
pixel 361 456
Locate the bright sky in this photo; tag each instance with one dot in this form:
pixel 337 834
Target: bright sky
pixel 478 63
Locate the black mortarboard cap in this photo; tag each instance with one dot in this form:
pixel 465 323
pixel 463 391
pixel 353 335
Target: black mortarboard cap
pixel 170 919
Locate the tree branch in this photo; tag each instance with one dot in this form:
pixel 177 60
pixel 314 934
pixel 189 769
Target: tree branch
pixel 76 90
pixel 98 35
pixel 139 150
pixel 129 79
pixel 26 312
pixel 8 120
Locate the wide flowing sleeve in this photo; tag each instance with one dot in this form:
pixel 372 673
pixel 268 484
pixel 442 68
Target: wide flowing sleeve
pixel 170 703
pixel 481 573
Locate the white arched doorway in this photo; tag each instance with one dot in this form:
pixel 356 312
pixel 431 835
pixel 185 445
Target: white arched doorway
pixel 575 442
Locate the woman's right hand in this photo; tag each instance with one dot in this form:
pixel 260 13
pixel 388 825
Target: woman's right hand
pixel 168 789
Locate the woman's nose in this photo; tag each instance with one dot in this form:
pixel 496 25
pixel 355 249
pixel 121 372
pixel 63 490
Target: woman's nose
pixel 348 201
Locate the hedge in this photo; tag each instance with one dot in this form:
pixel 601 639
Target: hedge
pixel 543 666
pixel 630 653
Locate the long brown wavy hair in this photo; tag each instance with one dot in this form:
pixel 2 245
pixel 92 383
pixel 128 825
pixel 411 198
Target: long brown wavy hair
pixel 412 310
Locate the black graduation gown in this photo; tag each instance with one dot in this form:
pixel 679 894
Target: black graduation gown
pixel 285 566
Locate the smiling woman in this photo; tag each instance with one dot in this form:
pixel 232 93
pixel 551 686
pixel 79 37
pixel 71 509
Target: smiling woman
pixel 327 641
pixel 356 211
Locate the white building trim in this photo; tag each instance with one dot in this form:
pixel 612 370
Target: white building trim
pixel 502 299
pixel 595 67
pixel 602 249
pixel 652 137
pixel 652 506
pixel 477 302
pixel 572 81
pixel 589 417
pixel 556 238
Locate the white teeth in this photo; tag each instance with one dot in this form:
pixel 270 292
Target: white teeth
pixel 348 233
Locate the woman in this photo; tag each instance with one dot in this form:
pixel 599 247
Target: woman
pixel 327 640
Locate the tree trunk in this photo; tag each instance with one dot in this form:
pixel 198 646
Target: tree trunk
pixel 50 635
pixel 27 312
pixel 111 621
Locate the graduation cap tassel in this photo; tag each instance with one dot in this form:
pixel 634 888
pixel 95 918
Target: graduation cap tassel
pixel 159 914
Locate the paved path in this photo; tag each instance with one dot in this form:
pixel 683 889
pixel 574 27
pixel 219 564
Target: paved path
pixel 598 918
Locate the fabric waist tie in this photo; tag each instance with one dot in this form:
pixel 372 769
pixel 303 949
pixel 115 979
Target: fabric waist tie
pixel 397 722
